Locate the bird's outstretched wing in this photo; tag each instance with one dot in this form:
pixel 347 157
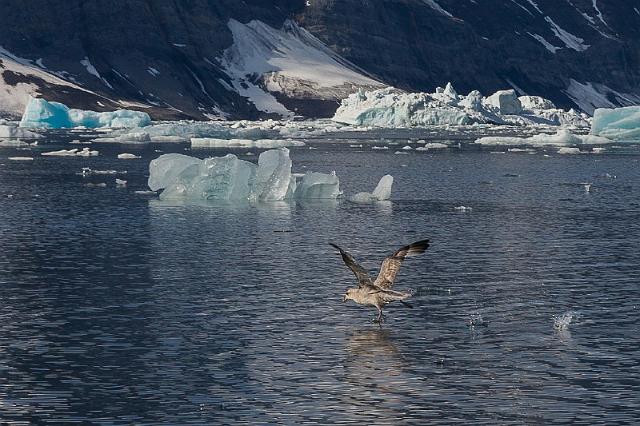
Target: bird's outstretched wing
pixel 391 264
pixel 361 274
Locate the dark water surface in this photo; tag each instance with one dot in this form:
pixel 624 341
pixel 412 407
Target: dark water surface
pixel 117 308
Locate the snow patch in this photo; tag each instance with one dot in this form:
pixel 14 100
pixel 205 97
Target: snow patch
pixel 290 61
pixel 589 96
pixel 550 47
pixel 435 6
pixel 93 71
pixel 569 40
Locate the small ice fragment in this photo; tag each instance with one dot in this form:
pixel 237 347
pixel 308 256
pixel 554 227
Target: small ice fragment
pixel 383 189
pixel 379 147
pixel 96 185
pixel 128 156
pixel 463 209
pixel 21 158
pixel 61 153
pixel 407 148
pixel 566 150
pixel 120 182
pixel 381 193
pixel 401 153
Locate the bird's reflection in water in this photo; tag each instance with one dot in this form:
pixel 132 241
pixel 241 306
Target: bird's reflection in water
pixel 372 350
pixel 376 375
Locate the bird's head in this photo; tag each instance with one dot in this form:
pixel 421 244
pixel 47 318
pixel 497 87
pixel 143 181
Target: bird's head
pixel 348 295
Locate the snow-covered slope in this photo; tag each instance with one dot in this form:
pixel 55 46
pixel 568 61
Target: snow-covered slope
pixel 291 62
pixel 21 79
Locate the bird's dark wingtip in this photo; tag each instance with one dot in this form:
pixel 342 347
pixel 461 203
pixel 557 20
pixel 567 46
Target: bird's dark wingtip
pixel 419 247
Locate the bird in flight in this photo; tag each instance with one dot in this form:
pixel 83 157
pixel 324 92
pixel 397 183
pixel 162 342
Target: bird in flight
pixel 378 293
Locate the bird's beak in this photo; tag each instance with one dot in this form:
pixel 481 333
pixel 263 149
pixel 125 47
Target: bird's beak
pixel 344 298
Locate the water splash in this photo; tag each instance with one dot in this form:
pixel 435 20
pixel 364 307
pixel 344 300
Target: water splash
pixel 476 320
pixel 563 321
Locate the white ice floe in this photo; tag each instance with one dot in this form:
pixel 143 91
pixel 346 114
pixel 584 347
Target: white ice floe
pixel 14 143
pixel 20 158
pixel 13 132
pixel 393 108
pixel 75 152
pixel 128 156
pixel 53 115
pixel 561 138
pixel 382 192
pixel 243 143
pixel 568 150
pixel 432 145
pixel 87 171
pixel 121 182
pixel 463 209
pixel 231 179
pixel 619 124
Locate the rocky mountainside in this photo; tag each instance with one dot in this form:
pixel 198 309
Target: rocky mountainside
pixel 256 58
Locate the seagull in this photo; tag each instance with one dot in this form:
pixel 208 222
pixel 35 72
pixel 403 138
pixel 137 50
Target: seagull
pixel 378 293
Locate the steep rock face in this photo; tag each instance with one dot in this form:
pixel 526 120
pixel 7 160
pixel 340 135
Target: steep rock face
pixel 158 53
pixel 581 53
pixel 183 59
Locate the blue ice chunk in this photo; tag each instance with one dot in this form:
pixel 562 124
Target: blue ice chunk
pixel 617 124
pixel 40 113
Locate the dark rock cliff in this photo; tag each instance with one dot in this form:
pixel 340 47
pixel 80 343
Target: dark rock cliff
pixel 575 52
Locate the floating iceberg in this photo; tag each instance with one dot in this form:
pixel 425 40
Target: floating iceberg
pixel 243 143
pixel 561 138
pixel 164 170
pixel 318 186
pixel 273 176
pixel 381 193
pixel 391 107
pixel 231 179
pixel 618 123
pixel 53 115
pixel 12 132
